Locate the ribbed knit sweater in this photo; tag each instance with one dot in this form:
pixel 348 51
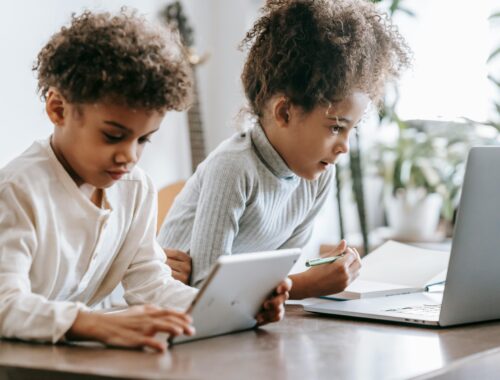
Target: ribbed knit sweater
pixel 242 198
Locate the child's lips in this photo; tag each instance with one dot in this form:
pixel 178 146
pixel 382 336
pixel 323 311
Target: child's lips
pixel 116 175
pixel 324 165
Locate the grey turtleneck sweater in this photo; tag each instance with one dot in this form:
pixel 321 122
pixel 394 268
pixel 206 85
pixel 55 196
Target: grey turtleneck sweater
pixel 242 198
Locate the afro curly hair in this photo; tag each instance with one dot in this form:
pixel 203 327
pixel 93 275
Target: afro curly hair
pixel 116 58
pixel 319 51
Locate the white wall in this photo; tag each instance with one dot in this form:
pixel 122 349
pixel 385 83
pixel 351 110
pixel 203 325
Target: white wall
pixel 451 41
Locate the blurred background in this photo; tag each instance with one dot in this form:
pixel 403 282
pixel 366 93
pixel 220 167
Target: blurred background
pixel 412 148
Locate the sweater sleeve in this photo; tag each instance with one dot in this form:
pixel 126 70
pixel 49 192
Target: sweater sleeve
pixel 148 278
pixel 24 314
pixel 302 233
pixel 221 202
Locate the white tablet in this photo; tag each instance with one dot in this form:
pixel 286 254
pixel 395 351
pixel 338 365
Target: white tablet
pixel 234 291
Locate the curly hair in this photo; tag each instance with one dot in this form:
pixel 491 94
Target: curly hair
pixel 319 51
pixel 101 57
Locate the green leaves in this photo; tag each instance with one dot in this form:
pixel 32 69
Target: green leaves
pixel 494 16
pixel 395 6
pixel 493 55
pixel 430 155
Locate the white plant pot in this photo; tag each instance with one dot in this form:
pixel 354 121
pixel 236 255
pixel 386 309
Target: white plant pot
pixel 413 215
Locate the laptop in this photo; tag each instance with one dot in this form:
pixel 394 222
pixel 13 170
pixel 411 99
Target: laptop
pixel 234 291
pixel 472 291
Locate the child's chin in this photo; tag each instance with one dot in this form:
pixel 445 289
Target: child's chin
pixel 309 176
pixel 105 186
pixel 109 183
pixel 102 184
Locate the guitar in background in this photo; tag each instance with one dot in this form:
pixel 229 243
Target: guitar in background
pixel 174 16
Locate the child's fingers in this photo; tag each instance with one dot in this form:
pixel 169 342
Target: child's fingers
pixel 348 259
pixel 141 310
pixel 356 264
pixel 177 255
pixel 273 313
pixel 275 302
pixel 179 267
pixel 170 312
pixel 172 326
pixel 132 339
pixel 150 342
pixel 284 286
pixel 273 308
pixel 356 252
pixel 266 317
pixel 339 249
pixel 154 344
pixel 174 320
pixel 182 276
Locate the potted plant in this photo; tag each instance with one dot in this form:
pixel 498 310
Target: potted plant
pixel 423 170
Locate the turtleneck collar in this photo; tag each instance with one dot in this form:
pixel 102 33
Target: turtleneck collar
pixel 268 155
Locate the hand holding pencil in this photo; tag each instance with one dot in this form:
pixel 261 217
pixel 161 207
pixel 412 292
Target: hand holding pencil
pixel 342 267
pixel 323 260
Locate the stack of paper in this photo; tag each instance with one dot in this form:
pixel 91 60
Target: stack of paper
pixel 396 268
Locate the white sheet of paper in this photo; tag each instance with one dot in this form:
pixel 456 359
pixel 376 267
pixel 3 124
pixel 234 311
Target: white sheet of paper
pixel 403 264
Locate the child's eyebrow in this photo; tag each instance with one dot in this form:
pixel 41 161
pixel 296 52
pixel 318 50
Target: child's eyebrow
pixel 117 125
pixel 125 129
pixel 153 131
pixel 339 120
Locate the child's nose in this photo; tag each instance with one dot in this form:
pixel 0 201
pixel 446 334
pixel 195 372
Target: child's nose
pixel 129 154
pixel 341 146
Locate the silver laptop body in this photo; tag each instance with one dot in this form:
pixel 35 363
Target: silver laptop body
pixel 472 292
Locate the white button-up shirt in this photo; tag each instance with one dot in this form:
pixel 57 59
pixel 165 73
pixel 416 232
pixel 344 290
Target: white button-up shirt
pixel 59 253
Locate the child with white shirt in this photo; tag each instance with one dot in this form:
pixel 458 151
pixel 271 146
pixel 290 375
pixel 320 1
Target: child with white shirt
pixel 313 68
pixel 77 217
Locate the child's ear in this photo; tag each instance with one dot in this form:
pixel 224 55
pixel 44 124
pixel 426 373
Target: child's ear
pixel 281 112
pixel 54 106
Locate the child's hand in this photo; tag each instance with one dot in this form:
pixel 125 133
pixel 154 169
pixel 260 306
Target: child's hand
pixel 133 328
pixel 327 279
pixel 180 263
pixel 273 308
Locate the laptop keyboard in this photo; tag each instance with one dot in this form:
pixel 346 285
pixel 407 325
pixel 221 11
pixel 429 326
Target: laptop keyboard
pixel 423 310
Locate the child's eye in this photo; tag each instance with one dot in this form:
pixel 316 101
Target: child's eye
pixel 335 129
pixel 144 140
pixel 112 138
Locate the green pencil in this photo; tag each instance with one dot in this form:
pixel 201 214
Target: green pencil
pixel 323 260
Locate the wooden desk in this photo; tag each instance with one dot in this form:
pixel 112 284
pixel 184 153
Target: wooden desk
pixel 303 346
pixel 484 365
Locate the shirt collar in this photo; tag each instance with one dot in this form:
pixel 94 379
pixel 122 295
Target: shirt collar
pixel 268 155
pixel 83 192
pixel 87 189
